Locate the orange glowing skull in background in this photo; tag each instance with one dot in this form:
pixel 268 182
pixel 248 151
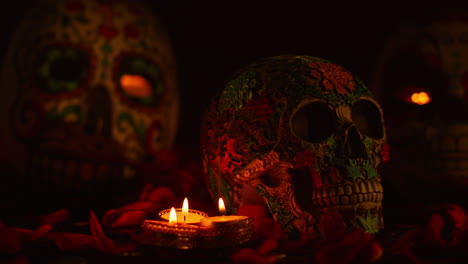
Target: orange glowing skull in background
pixel 93 96
pixel 422 84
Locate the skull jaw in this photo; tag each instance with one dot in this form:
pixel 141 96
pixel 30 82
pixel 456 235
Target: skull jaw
pixel 333 209
pixel 348 205
pixel 70 168
pixel 322 222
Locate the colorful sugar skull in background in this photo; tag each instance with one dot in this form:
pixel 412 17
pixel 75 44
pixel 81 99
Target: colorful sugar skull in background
pixel 302 136
pixel 428 54
pixel 93 96
pixel 448 133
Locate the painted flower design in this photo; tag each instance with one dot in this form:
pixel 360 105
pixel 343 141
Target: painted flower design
pixel 333 77
pixel 74 6
pixel 261 108
pixel 107 32
pixel 304 159
pixel 385 153
pixel 237 91
pixel 131 31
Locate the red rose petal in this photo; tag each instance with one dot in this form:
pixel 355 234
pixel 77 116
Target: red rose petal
pixel 146 190
pixel 457 215
pixel 97 232
pixel 73 242
pixel 254 211
pixel 161 195
pixel 251 256
pixel 10 241
pixel 434 229
pixel 376 252
pixel 109 217
pixel 55 217
pixel 40 232
pixel 267 246
pixel 140 205
pixel 130 218
pixel 405 242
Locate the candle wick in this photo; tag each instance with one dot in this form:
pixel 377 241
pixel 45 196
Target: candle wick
pixel 184 219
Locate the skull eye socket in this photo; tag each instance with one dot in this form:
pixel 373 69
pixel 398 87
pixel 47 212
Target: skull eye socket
pixel 314 122
pixel 62 69
pixel 139 80
pixel 445 39
pixel 463 39
pixel 367 118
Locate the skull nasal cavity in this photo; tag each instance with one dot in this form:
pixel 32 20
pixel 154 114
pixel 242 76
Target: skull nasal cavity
pixel 273 177
pixel 354 147
pixel 98 119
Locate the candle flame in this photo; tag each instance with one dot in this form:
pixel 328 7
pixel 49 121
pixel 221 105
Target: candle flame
pixel 420 98
pixel 222 208
pixel 172 217
pixel 185 209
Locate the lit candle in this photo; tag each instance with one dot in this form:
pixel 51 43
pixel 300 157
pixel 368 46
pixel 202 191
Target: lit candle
pixel 184 214
pixel 172 217
pixel 197 230
pixel 221 207
pixel 185 209
pixel 222 220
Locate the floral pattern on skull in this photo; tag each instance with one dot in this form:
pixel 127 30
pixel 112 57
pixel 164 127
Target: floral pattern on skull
pixel 304 137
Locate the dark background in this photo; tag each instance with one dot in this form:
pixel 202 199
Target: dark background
pixel 212 39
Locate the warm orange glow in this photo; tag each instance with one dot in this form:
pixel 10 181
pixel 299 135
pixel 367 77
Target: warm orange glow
pixel 172 217
pixel 420 98
pixel 135 85
pixel 185 209
pixel 222 208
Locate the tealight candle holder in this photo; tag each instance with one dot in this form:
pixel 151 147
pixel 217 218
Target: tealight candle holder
pixel 164 234
pixel 225 231
pixel 190 229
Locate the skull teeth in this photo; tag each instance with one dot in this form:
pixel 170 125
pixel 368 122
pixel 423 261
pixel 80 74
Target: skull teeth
pixel 71 173
pixel 359 192
pixel 349 190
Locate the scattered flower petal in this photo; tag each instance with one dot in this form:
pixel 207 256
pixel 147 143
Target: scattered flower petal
pixel 55 218
pixel 130 218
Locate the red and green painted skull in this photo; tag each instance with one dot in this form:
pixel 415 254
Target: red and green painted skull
pixel 93 92
pixel 302 136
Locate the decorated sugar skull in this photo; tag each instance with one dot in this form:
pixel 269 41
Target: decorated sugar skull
pixel 448 131
pixel 302 136
pixel 427 55
pixel 93 95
